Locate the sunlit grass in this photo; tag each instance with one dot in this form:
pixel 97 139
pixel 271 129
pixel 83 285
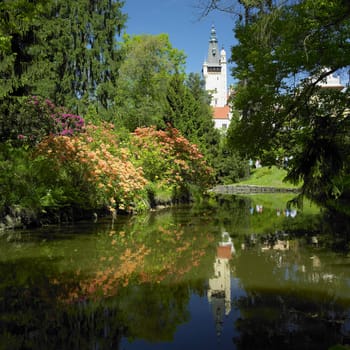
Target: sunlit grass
pixel 268 176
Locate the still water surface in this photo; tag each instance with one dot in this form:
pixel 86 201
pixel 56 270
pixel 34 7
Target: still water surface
pixel 231 275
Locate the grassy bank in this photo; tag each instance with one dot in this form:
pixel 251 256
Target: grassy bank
pixel 268 176
pixel 273 176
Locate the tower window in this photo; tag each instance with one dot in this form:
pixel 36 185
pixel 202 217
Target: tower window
pixel 214 69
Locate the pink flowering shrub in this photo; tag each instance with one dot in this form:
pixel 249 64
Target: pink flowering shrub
pixel 37 117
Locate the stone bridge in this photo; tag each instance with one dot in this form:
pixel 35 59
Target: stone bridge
pixel 250 189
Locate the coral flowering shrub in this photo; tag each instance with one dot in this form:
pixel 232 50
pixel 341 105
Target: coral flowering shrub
pixel 94 167
pixel 91 170
pixel 169 158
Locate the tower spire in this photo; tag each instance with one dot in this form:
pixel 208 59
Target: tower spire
pixel 213 38
pixel 213 49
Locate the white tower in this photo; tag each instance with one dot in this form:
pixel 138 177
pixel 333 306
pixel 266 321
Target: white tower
pixel 215 72
pixel 215 76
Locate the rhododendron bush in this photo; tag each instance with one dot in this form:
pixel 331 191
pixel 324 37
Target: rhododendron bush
pixel 34 118
pixel 98 170
pixel 169 159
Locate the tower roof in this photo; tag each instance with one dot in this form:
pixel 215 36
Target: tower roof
pixel 213 49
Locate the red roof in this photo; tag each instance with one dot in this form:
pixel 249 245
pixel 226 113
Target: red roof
pixel 224 252
pixel 221 112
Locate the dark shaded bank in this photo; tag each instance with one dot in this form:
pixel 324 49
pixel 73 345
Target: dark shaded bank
pixel 17 217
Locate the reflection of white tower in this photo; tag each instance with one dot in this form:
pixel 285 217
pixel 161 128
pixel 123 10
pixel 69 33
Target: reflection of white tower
pixel 219 292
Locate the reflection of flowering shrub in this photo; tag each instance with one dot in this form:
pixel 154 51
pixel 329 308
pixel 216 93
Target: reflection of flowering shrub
pixel 94 163
pixel 166 255
pixel 166 156
pixel 40 117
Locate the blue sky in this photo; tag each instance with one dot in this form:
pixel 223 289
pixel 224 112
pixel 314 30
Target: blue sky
pixel 180 19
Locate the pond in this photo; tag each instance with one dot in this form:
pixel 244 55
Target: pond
pixel 238 273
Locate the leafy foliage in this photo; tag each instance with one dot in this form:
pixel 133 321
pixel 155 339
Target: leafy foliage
pixel 285 51
pixel 230 166
pixel 94 169
pixel 18 24
pixel 17 178
pixel 148 64
pixel 62 51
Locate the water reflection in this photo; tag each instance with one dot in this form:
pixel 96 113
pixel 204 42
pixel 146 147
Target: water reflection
pixel 294 296
pixel 288 212
pixel 185 278
pixel 219 291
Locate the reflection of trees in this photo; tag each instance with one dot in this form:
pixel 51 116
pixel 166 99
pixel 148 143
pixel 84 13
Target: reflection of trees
pixel 154 312
pixel 31 318
pixel 337 227
pixel 134 280
pixel 233 213
pixel 271 320
pixel 285 306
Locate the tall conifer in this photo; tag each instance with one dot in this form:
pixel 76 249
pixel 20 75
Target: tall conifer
pixel 77 56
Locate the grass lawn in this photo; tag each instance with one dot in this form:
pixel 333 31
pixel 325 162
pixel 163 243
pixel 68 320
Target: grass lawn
pixel 268 176
pixel 273 176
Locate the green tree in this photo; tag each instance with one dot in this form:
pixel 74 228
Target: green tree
pixel 283 54
pixel 77 56
pixel 66 51
pixel 148 64
pixel 203 125
pixel 179 105
pixel 18 24
pixel 189 111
